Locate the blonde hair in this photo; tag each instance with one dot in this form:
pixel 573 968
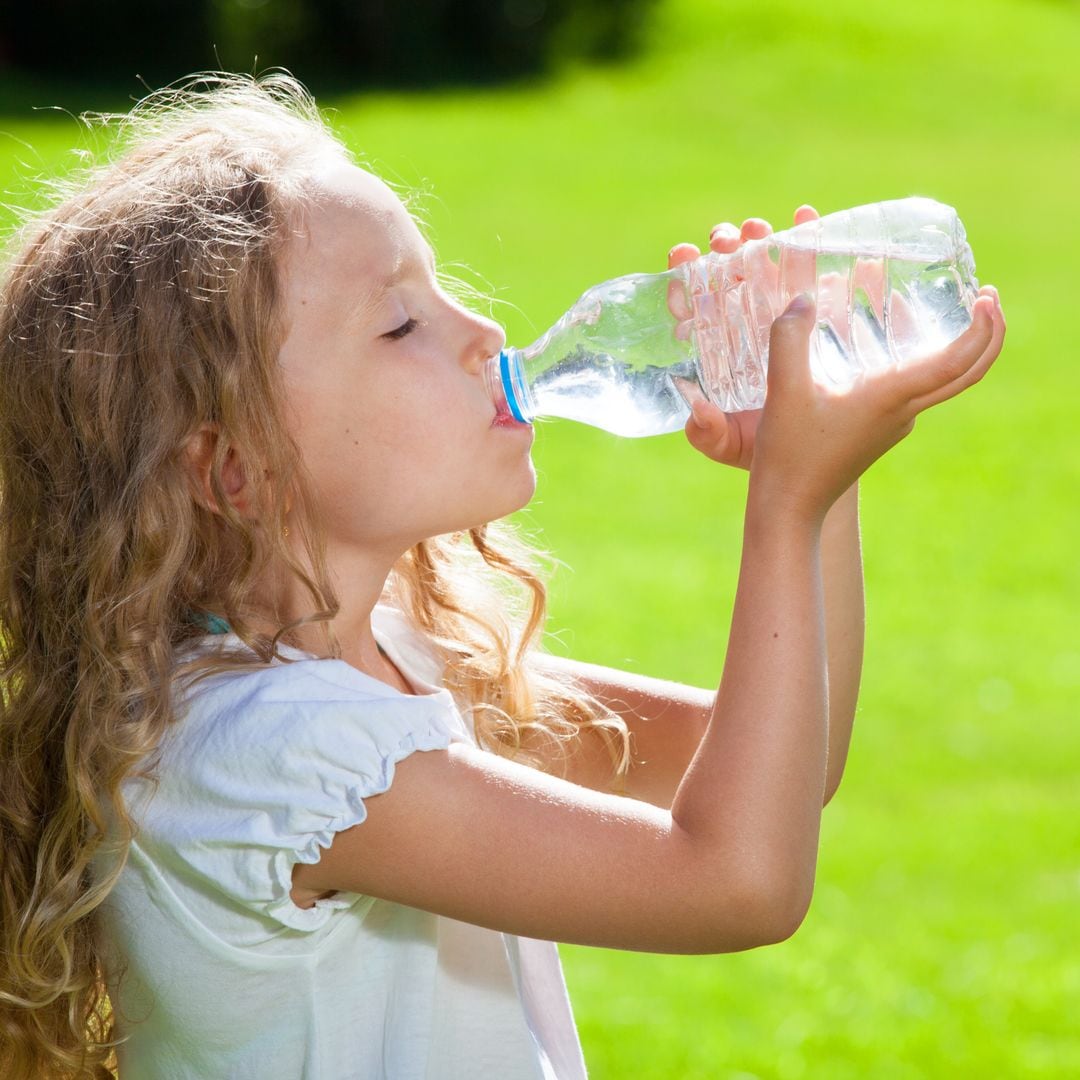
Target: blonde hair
pixel 140 307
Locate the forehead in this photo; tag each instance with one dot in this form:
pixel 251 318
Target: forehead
pixel 339 187
pixel 351 224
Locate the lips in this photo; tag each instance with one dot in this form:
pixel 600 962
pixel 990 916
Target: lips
pixel 505 420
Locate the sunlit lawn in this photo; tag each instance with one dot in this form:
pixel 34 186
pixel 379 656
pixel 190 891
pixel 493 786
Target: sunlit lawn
pixel 942 939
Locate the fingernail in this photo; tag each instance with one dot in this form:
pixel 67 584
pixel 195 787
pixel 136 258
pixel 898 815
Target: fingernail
pixel 803 302
pixel 725 229
pixel 697 417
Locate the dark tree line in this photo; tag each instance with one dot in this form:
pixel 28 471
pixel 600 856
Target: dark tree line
pixel 329 44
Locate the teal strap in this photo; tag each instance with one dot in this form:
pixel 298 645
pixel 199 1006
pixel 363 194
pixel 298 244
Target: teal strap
pixel 212 624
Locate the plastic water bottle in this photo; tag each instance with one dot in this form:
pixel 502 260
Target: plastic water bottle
pixel 892 280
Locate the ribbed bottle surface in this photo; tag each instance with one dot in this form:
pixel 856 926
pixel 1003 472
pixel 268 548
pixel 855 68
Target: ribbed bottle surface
pixel 891 281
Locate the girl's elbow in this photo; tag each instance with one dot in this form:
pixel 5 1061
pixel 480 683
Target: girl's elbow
pixel 769 916
pixel 787 909
pixel 832 783
pixel 789 920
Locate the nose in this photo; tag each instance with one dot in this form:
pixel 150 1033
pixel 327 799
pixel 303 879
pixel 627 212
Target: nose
pixel 484 339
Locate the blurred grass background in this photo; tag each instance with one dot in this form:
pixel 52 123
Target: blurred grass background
pixel 942 937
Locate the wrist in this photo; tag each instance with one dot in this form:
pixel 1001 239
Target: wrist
pixel 771 507
pixel 774 497
pixel 845 510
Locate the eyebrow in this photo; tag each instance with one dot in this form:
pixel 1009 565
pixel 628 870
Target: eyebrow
pixel 401 269
pixel 374 296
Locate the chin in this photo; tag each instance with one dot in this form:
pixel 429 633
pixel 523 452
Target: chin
pixel 523 493
pixel 510 501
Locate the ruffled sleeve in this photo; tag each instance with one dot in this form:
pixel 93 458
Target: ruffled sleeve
pixel 266 767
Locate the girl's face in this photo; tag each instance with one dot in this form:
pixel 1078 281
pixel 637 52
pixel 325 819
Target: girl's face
pixel 384 378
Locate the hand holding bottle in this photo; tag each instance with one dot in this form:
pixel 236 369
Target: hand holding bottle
pixel 725 437
pixel 891 280
pixel 813 442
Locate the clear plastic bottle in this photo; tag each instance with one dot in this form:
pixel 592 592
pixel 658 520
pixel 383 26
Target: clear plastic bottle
pixel 891 281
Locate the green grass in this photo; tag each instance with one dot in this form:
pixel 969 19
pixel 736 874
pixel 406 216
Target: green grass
pixel 942 938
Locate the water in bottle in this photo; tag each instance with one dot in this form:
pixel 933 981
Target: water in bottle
pixel 891 281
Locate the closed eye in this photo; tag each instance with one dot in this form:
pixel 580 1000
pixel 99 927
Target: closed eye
pixel 407 327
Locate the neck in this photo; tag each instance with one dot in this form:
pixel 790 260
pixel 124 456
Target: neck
pixel 359 582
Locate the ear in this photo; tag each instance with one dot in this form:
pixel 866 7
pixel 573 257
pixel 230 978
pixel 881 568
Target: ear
pixel 198 455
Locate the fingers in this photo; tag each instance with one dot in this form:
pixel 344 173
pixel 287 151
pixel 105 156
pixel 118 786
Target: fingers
pixel 707 428
pixel 789 347
pixel 724 238
pixel 923 380
pixel 797 271
pixel 726 439
pixel 991 291
pixel 967 360
pixel 706 415
pixel 681 253
pixel 754 229
pixel 677 301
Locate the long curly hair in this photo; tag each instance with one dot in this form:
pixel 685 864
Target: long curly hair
pixel 139 307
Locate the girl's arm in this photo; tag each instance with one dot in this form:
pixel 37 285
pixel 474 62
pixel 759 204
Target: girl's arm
pixel 845 626
pixel 472 836
pixel 667 720
pixel 481 839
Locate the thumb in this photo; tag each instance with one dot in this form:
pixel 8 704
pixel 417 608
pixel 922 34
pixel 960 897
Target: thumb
pixel 789 344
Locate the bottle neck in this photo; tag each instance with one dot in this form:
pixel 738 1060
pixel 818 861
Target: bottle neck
pixel 505 378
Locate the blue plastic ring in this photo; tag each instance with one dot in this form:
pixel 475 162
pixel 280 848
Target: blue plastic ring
pixel 508 387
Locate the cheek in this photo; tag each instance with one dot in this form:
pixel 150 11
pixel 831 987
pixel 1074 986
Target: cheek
pixel 383 461
pixel 428 414
pixel 388 446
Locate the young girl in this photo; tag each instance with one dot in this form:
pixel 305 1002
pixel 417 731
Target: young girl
pixel 282 769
